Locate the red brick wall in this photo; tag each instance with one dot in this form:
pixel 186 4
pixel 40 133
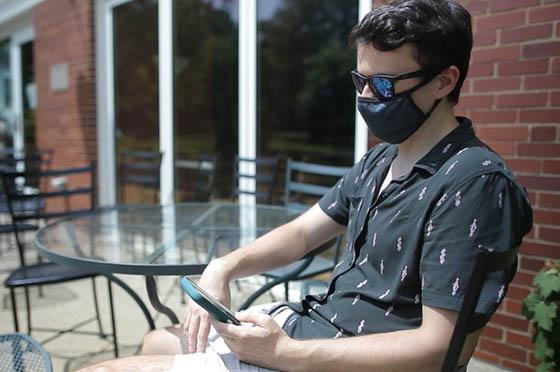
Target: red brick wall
pixel 513 96
pixel 66 120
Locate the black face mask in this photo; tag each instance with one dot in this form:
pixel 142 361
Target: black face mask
pixel 394 120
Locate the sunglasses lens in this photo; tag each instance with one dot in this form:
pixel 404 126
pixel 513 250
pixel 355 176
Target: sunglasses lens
pixel 383 86
pixel 359 82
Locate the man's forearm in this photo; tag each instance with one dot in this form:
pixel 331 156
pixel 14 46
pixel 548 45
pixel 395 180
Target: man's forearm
pixel 282 246
pixel 395 351
pixel 277 248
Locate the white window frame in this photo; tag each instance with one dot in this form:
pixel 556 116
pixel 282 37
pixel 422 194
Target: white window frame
pixel 247 91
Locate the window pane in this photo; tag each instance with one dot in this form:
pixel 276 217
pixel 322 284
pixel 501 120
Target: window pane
pixel 6 114
pixel 306 98
pixel 135 27
pixel 205 97
pixel 28 96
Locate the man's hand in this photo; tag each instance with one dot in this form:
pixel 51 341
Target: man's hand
pixel 264 344
pixel 197 320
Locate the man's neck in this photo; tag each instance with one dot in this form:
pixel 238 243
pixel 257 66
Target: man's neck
pixel 440 123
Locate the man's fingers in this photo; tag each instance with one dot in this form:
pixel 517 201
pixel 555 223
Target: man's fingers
pixel 256 318
pixel 185 325
pixel 192 333
pixel 203 331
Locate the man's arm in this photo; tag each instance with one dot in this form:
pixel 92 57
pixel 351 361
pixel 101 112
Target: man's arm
pixel 282 246
pixel 420 349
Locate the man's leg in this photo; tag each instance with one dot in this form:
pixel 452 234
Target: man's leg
pixel 165 341
pixel 171 341
pixel 144 363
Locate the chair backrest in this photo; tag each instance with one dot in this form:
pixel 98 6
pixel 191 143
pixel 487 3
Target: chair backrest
pixel 301 182
pixel 487 261
pixel 28 161
pixel 265 176
pixel 140 168
pixel 203 185
pixel 63 192
pixel 20 353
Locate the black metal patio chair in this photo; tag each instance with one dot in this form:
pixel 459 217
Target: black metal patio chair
pixel 302 188
pixel 141 169
pixel 76 197
pixel 469 321
pixel 265 177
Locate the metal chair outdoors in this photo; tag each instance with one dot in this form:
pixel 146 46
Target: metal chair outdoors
pixel 468 321
pixel 58 204
pixel 12 161
pixel 139 168
pixel 299 192
pixel 265 177
pixel 20 353
pixel 203 186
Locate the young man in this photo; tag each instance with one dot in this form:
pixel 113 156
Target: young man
pixel 415 210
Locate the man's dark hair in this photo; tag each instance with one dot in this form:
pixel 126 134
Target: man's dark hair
pixel 440 31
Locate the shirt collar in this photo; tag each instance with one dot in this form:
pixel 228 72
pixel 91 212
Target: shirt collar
pixel 448 146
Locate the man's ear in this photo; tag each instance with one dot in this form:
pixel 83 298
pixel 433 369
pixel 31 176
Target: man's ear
pixel 446 81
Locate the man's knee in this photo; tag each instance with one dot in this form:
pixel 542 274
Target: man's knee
pixel 162 342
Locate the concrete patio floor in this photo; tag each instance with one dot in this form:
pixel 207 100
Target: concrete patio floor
pixel 69 303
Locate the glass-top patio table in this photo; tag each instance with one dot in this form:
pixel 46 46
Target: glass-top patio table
pixel 149 240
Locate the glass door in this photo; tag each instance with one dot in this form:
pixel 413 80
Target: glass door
pixel 136 93
pixel 205 34
pixel 28 96
pixel 305 95
pixel 18 95
pixel 6 110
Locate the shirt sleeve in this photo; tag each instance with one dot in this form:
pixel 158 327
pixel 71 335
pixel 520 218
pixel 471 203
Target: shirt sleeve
pixel 336 202
pixel 489 210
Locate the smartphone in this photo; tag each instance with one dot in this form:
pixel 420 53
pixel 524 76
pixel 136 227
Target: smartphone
pixel 208 302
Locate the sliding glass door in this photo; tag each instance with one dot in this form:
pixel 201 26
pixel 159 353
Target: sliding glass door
pixel 305 96
pixel 204 80
pixel 205 97
pixel 135 50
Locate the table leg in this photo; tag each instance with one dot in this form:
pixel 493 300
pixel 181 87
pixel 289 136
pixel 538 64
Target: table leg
pixel 154 300
pixel 135 297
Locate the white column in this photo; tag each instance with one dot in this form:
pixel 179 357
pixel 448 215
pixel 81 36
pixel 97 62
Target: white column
pixel 247 93
pixel 361 132
pixel 165 51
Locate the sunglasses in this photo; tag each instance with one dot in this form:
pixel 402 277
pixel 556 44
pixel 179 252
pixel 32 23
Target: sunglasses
pixel 382 86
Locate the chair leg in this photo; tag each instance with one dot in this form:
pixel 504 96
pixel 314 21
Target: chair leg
pixel 28 308
pixel 96 305
pixel 113 323
pixel 14 309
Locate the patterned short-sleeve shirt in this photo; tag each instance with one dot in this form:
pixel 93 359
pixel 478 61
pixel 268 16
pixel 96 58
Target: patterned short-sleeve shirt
pixel 415 243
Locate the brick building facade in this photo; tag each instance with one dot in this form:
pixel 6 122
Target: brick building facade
pixel 512 94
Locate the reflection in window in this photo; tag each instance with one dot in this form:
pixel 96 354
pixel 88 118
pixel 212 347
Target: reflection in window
pixel 305 97
pixel 135 25
pixel 6 114
pixel 205 60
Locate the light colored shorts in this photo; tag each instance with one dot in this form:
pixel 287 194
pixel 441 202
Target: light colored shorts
pixel 218 357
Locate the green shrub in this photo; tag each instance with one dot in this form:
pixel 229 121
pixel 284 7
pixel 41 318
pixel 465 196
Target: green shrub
pixel 543 306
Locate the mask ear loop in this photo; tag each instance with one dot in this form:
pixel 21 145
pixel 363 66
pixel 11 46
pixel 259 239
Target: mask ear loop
pixel 420 85
pixel 433 108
